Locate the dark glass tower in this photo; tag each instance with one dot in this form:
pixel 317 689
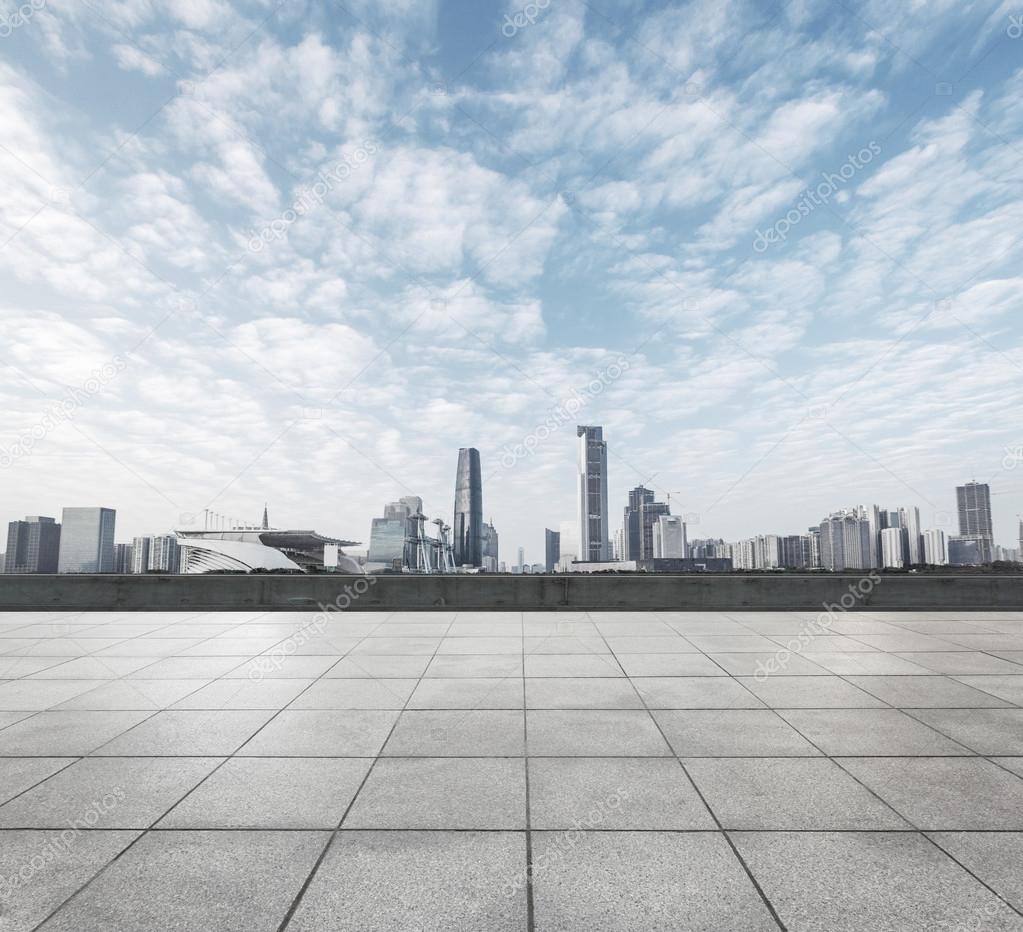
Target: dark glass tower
pixel 467 530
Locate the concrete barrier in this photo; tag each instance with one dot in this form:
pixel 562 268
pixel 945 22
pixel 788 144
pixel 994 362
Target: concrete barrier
pixel 571 592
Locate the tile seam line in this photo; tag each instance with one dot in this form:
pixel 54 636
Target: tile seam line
pixel 731 844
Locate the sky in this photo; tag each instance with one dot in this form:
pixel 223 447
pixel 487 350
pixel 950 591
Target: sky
pixel 300 253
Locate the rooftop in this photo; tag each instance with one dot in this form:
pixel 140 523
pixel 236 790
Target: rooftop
pixel 511 771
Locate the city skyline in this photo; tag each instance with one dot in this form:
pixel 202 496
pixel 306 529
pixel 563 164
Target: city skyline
pixel 780 277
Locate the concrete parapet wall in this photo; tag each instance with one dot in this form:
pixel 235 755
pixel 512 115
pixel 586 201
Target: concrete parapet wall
pixel 571 592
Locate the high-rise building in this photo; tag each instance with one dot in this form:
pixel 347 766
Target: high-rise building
pixel 522 560
pixel 965 551
pixel 974 501
pixel 894 546
pixel 874 519
pixel 87 540
pixel 468 524
pixel 123 559
pixel 649 514
pixel 669 538
pixel 632 523
pixel 796 552
pixel 490 548
pixel 164 554
pixel 140 554
pixel 909 520
pixel 845 541
pixel 389 536
pixel 935 548
pixel 33 546
pixel 552 549
pixel 594 542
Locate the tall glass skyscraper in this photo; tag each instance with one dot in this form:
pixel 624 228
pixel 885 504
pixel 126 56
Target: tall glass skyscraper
pixel 467 530
pixel 594 539
pixel 975 524
pixel 87 540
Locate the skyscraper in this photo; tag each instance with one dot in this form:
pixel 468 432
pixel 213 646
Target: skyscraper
pixel 140 554
pixel 164 554
pixel 669 538
pixel 974 501
pixel 389 536
pixel 935 548
pixel 909 519
pixel 491 552
pixel 845 541
pixel 87 540
pixel 552 549
pixel 632 523
pixel 122 558
pixel 649 514
pixel 893 547
pixel 33 546
pixel 468 525
pixel 594 542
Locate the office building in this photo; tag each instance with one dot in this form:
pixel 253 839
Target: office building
pixel 389 536
pixel 552 549
pixel 796 552
pixel 845 541
pixel 632 523
pixel 910 523
pixel 33 546
pixel 935 548
pixel 966 551
pixel 649 514
pixel 894 546
pixel 123 559
pixel 164 554
pixel 467 529
pixel 87 540
pixel 594 540
pixel 669 538
pixel 522 561
pixel 491 563
pixel 140 555
pixel 974 503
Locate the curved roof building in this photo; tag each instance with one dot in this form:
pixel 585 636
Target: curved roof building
pixel 243 550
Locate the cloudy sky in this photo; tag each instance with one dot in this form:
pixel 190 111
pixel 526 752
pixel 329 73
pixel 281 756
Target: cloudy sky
pixel 302 252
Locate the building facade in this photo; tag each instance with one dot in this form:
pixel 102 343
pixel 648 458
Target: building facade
pixel 974 504
pixel 669 538
pixel 87 540
pixel 33 546
pixel 552 549
pixel 594 539
pixel 467 529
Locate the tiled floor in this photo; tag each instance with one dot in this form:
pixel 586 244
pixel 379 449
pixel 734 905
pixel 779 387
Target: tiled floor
pixel 510 771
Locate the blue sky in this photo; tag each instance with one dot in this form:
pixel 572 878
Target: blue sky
pixel 498 205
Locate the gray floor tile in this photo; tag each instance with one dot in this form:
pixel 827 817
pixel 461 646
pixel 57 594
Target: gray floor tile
pixel 876 664
pixel 669 665
pixel 810 692
pixel 70 858
pixel 732 644
pixel 442 793
pixel 799 794
pixel 272 793
pixel 176 733
pixel 732 733
pixel 993 857
pixel 322 733
pixel 457 733
pixel 108 793
pixel 944 793
pixel 481 645
pixel 244 694
pixel 188 668
pixel 134 695
pixel 356 694
pixel 493 665
pixel 1009 688
pixel 615 881
pixel 668 643
pixel 565 644
pixel 986 731
pixel 235 882
pixel 881 882
pixel 594 734
pixel 585 692
pixel 751 663
pixel 962 662
pixel 425 881
pixel 60 734
pixel 601 665
pixel 277 666
pixel 613 793
pixel 36 695
pixel 694 692
pixel 915 692
pixel 17 774
pixel 371 666
pixel 869 732
pixel 468 693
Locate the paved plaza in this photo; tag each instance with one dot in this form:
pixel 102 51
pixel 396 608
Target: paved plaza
pixel 496 771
